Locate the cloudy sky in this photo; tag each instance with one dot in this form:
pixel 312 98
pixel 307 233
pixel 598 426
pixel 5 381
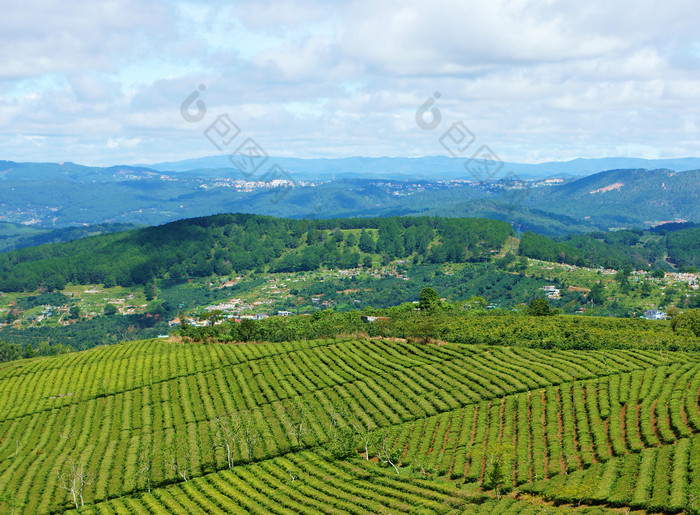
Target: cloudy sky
pixel 104 82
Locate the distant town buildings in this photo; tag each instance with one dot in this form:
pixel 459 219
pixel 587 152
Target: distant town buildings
pixel 552 292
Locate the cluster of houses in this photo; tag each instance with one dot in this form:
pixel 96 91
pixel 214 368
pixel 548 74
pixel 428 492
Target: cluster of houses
pixel 196 322
pixel 654 314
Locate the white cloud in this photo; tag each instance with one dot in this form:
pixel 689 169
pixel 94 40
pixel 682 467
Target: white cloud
pixel 46 36
pixel 297 61
pixel 535 79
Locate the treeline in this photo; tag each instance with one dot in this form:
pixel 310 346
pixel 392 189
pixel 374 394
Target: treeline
pixel 474 326
pixel 635 249
pixel 13 351
pixel 238 243
pixel 43 340
pixel 30 237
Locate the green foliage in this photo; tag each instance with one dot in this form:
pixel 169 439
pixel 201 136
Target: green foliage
pixel 245 330
pixel 341 444
pixel 507 260
pixel 538 247
pixel 86 334
pixel 618 250
pixel 366 243
pixel 499 460
pixel 9 351
pixel 476 302
pixel 428 300
pixel 539 308
pixel 687 322
pixel 238 243
pixel 491 327
pixel 597 294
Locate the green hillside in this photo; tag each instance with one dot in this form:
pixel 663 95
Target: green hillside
pixel 236 243
pixel 59 293
pixel 624 198
pixel 239 243
pixel 16 236
pixel 664 249
pixel 447 428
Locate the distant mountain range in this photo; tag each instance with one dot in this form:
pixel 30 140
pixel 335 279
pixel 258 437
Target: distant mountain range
pixel 431 167
pixel 49 196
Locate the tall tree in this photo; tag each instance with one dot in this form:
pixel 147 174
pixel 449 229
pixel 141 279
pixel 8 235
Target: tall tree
pixel 428 300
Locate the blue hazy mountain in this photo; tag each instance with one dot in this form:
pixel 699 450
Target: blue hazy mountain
pixel 48 196
pixel 431 167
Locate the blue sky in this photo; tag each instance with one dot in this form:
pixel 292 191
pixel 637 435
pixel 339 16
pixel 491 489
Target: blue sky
pixel 103 82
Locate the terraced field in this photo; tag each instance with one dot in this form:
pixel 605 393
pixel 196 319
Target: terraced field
pixel 556 421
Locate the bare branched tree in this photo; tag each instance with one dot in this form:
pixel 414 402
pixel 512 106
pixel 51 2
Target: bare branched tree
pixel 238 430
pixel 364 432
pixel 250 432
pixel 296 417
pixel 179 456
pixel 386 455
pixel 144 471
pixel 73 478
pixel 225 436
pixel 337 411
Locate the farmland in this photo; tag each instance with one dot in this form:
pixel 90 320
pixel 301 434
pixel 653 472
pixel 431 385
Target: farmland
pixel 151 413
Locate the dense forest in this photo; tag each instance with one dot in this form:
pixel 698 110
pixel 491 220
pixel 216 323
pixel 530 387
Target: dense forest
pixel 638 249
pixel 238 243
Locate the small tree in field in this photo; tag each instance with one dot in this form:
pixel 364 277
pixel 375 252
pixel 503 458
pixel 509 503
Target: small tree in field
pixel 250 432
pixel 539 308
pixel 496 472
pixel 341 441
pixel 237 431
pixel 428 300
pixel 225 435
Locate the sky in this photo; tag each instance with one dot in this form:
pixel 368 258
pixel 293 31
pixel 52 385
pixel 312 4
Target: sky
pixel 145 81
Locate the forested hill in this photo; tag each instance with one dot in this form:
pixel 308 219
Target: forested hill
pixel 237 243
pixel 662 248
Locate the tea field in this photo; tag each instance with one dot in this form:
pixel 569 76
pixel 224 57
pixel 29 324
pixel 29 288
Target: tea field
pixel 350 425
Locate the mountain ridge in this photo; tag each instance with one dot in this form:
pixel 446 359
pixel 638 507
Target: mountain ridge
pixel 425 167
